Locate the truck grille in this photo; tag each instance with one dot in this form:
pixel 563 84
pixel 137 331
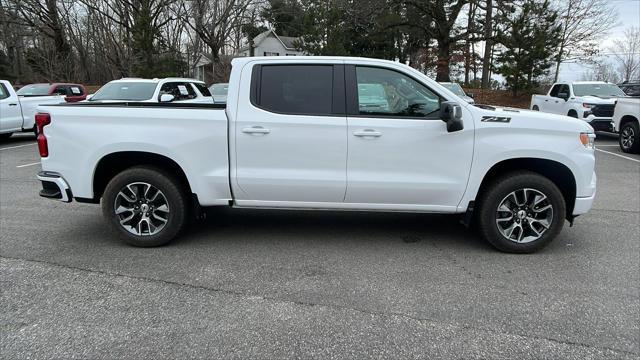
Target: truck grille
pixel 603 110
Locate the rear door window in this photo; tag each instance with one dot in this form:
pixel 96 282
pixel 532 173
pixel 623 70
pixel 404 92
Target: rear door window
pixel 203 89
pixel 555 90
pixel 60 90
pixel 296 89
pixel 75 90
pixel 179 90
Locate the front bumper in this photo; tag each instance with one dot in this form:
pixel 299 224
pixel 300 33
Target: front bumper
pixel 600 124
pixel 54 186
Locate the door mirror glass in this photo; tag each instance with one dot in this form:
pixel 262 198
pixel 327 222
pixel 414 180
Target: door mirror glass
pixel 563 95
pixel 451 113
pixel 164 98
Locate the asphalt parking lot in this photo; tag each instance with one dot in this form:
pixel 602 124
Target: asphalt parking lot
pixel 274 284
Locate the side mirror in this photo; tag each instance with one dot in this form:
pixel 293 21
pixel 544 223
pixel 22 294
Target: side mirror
pixel 563 95
pixel 165 98
pixel 451 113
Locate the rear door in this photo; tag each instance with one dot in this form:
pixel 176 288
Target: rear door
pixel 290 134
pixel 10 114
pixel 400 153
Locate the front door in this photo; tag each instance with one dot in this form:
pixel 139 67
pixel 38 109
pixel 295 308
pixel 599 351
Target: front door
pixel 291 137
pixel 10 113
pixel 400 153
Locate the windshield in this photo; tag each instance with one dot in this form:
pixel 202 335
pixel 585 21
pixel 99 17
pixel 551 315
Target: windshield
pixel 219 89
pixel 597 90
pixel 132 91
pixel 34 90
pixel 454 88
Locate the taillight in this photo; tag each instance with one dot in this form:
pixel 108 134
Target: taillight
pixel 42 120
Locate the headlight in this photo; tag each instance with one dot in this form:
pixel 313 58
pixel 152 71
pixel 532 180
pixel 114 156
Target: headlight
pixel 588 106
pixel 588 140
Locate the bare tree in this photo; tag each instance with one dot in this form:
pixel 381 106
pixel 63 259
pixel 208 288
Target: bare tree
pixel 602 71
pixel 582 22
pixel 626 53
pixel 214 21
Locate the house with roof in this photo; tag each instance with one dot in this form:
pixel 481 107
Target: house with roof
pixel 267 43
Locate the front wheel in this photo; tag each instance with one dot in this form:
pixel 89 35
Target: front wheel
pixel 146 206
pixel 5 136
pixel 521 212
pixel 629 138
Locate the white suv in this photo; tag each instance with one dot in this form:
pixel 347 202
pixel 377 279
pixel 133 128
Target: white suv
pixel 154 90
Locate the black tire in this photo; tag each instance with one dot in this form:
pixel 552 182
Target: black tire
pixel 172 192
pixel 630 128
pixel 497 192
pixel 5 136
pixel 535 108
pixel 573 114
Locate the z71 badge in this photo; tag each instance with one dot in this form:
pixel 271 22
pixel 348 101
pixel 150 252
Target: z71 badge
pixel 500 119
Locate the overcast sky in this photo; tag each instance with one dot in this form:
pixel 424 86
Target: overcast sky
pixel 628 15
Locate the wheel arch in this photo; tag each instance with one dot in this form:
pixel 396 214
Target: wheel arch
pixel 627 119
pixel 555 171
pixel 114 163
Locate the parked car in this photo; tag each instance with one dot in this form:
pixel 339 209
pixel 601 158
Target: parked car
pixel 625 118
pixel 71 92
pixel 219 92
pixel 153 90
pixel 631 88
pixel 457 89
pixel 294 136
pixel 591 101
pixel 17 112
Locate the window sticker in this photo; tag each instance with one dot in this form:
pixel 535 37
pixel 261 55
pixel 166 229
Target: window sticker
pixel 75 90
pixel 183 90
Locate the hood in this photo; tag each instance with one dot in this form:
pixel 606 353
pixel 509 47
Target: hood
pixel 532 119
pixel 600 99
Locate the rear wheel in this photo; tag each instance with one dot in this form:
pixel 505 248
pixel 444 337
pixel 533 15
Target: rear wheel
pixel 146 206
pixel 521 212
pixel 535 108
pixel 629 138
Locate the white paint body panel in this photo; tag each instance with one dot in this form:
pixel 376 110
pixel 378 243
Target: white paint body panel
pixel 626 107
pixel 315 162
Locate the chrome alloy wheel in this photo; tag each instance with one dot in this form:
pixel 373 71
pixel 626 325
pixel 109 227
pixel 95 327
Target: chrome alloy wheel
pixel 626 137
pixel 142 209
pixel 524 215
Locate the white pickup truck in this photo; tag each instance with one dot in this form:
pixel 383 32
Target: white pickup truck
pixel 17 112
pixel 297 133
pixel 153 90
pixel 625 118
pixel 591 101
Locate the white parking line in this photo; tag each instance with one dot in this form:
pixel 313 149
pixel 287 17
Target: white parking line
pixel 17 146
pixel 618 155
pixel 25 165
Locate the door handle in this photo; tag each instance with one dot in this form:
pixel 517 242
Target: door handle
pixel 13 104
pixel 546 100
pixel 255 130
pixel 367 132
